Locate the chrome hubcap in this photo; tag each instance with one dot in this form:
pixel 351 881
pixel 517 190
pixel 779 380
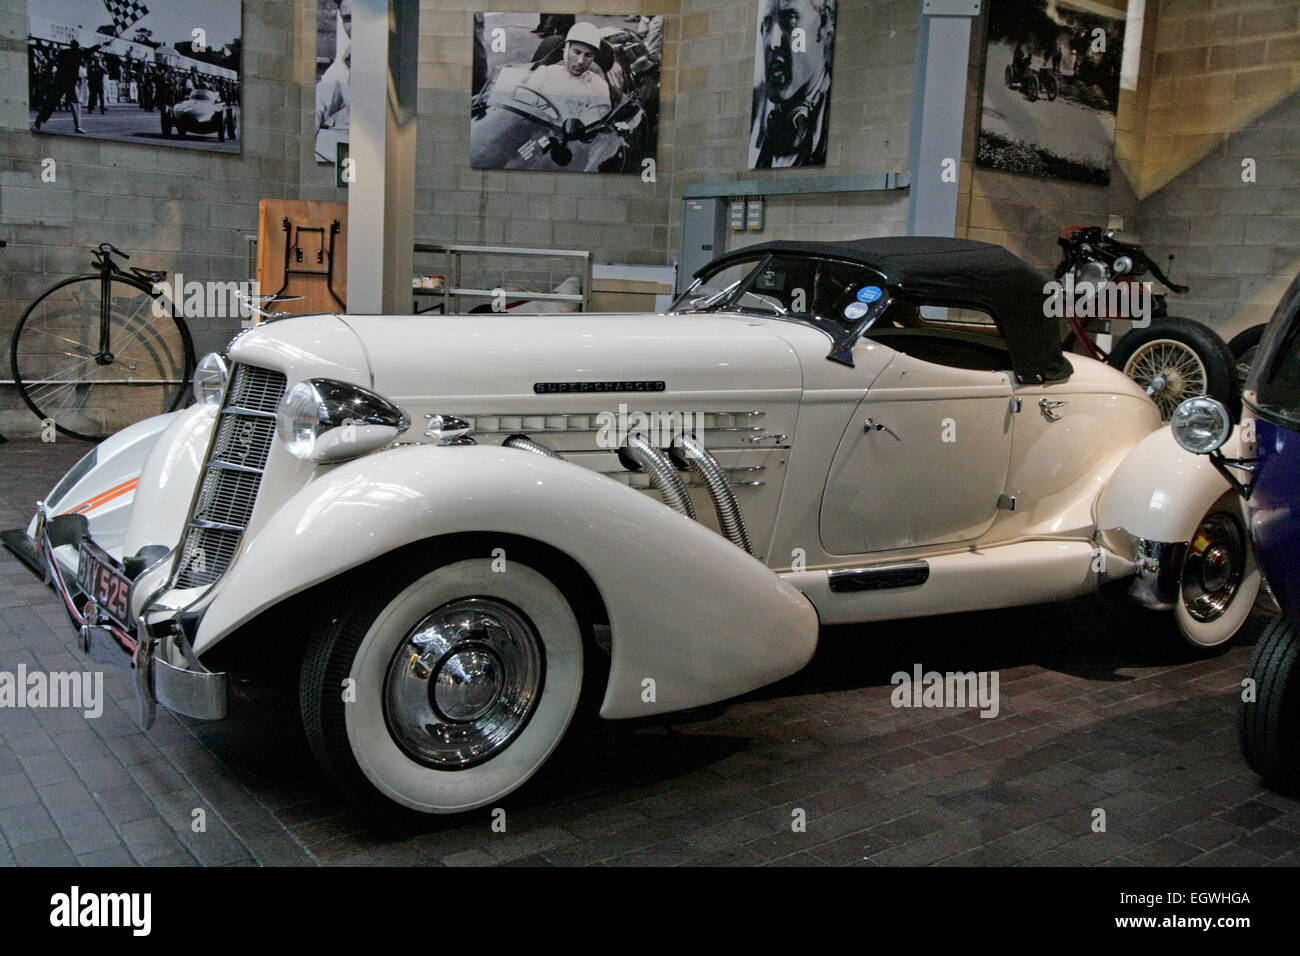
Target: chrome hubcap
pixel 463 683
pixel 1215 565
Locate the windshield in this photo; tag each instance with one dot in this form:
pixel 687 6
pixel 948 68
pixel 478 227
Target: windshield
pixel 1274 386
pixel 832 295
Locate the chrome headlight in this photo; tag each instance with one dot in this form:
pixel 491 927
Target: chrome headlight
pixel 210 379
pixel 323 420
pixel 1201 424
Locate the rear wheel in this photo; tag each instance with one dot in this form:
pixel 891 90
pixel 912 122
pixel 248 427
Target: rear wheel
pixel 463 681
pixel 1268 727
pixel 1219 581
pixel 1178 359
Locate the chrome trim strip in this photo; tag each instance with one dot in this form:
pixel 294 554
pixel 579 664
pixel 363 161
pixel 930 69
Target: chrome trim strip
pixel 880 577
pixel 251 413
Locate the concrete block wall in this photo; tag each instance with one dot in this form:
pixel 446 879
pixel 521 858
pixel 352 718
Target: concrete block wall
pixel 181 210
pixel 1225 97
pixel 870 114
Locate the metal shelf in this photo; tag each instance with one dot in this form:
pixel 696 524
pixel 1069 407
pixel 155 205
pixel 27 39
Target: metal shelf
pixel 452 288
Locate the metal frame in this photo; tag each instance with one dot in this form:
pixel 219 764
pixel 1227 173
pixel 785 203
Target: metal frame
pixel 451 287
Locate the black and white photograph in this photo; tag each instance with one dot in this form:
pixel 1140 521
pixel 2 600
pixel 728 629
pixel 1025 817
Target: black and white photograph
pixel 333 77
pixel 794 46
pixel 1051 88
pixel 565 92
pixel 165 73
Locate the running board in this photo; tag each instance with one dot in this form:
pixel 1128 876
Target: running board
pixel 1025 572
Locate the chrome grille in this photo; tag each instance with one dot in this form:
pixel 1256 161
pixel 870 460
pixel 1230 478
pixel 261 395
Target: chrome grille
pixel 231 476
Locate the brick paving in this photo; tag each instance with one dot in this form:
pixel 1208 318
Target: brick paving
pixel 1099 711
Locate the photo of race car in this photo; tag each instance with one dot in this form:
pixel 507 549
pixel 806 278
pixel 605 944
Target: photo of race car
pixel 199 111
pixel 582 98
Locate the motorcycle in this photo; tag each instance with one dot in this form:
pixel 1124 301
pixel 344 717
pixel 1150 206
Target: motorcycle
pixel 1171 357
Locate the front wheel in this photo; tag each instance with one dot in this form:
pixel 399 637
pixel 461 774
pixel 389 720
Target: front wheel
pixel 1048 84
pixel 1220 579
pixel 1029 86
pixel 1177 359
pixel 1268 727
pixel 444 694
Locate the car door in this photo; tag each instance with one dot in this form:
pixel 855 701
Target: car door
pixel 924 458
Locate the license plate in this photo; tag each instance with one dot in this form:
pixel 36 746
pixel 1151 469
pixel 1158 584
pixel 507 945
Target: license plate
pixel 108 587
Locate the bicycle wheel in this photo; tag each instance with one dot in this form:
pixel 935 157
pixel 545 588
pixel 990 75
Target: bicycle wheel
pixel 90 386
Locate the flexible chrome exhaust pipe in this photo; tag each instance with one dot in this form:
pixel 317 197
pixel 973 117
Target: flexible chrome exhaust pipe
pixel 524 443
pixel 639 453
pixel 688 452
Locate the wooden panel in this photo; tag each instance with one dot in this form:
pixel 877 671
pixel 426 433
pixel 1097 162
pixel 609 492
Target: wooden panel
pixel 271 238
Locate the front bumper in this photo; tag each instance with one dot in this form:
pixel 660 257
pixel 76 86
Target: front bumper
pixel 146 651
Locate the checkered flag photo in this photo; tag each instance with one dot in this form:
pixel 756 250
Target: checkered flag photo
pixel 125 13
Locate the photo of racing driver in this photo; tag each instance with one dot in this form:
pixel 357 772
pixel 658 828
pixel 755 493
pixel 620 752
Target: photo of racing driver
pixel 794 46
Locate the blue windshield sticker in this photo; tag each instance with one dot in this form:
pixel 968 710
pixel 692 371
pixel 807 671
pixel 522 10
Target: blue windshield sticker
pixel 869 293
pixel 855 310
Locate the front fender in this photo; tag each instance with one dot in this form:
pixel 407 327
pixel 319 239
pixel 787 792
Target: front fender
pixel 102 485
pixel 687 609
pixel 1160 491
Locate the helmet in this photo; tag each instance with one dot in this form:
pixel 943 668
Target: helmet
pixel 584 33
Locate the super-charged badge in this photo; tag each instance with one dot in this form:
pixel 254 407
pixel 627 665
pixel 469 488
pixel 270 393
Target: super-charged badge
pixel 869 293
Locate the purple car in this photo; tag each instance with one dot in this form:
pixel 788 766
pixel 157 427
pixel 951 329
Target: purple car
pixel 199 111
pixel 1268 480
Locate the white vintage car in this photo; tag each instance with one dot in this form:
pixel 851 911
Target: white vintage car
pixel 458 523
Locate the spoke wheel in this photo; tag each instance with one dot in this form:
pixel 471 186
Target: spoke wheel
pixel 91 388
pixel 1169 371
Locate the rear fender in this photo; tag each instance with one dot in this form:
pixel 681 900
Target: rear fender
pixel 693 619
pixel 1160 492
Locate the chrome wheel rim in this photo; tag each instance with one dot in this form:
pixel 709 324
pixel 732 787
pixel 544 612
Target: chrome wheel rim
pixel 1169 371
pixel 463 683
pixel 1214 568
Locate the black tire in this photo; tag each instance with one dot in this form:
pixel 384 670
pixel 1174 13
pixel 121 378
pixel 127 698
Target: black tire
pixel 373 635
pixel 1029 86
pixel 1191 357
pixel 166 346
pixel 230 124
pixel 1009 75
pixel 1048 85
pixel 1243 346
pixel 1268 729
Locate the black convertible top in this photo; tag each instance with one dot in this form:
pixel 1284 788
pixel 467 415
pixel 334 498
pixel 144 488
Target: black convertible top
pixel 957 272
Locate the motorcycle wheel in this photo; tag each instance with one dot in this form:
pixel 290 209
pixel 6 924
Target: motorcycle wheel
pixel 1049 87
pixel 1177 359
pixel 1243 347
pixel 1029 86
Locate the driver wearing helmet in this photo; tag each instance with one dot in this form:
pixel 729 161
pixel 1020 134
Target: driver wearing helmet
pixel 574 85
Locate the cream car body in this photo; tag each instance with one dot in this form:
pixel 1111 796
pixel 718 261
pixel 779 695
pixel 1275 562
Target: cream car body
pixel 880 485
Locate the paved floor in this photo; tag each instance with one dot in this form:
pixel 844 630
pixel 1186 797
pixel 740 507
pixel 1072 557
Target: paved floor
pixel 1101 720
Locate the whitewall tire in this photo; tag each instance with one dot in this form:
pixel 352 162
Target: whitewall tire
pixel 462 682
pixel 1220 579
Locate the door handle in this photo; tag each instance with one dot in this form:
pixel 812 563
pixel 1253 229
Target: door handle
pixel 1049 409
pixel 871 425
pixel 759 438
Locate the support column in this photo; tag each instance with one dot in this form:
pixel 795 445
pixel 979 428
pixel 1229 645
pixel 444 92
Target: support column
pixel 938 114
pixel 381 144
